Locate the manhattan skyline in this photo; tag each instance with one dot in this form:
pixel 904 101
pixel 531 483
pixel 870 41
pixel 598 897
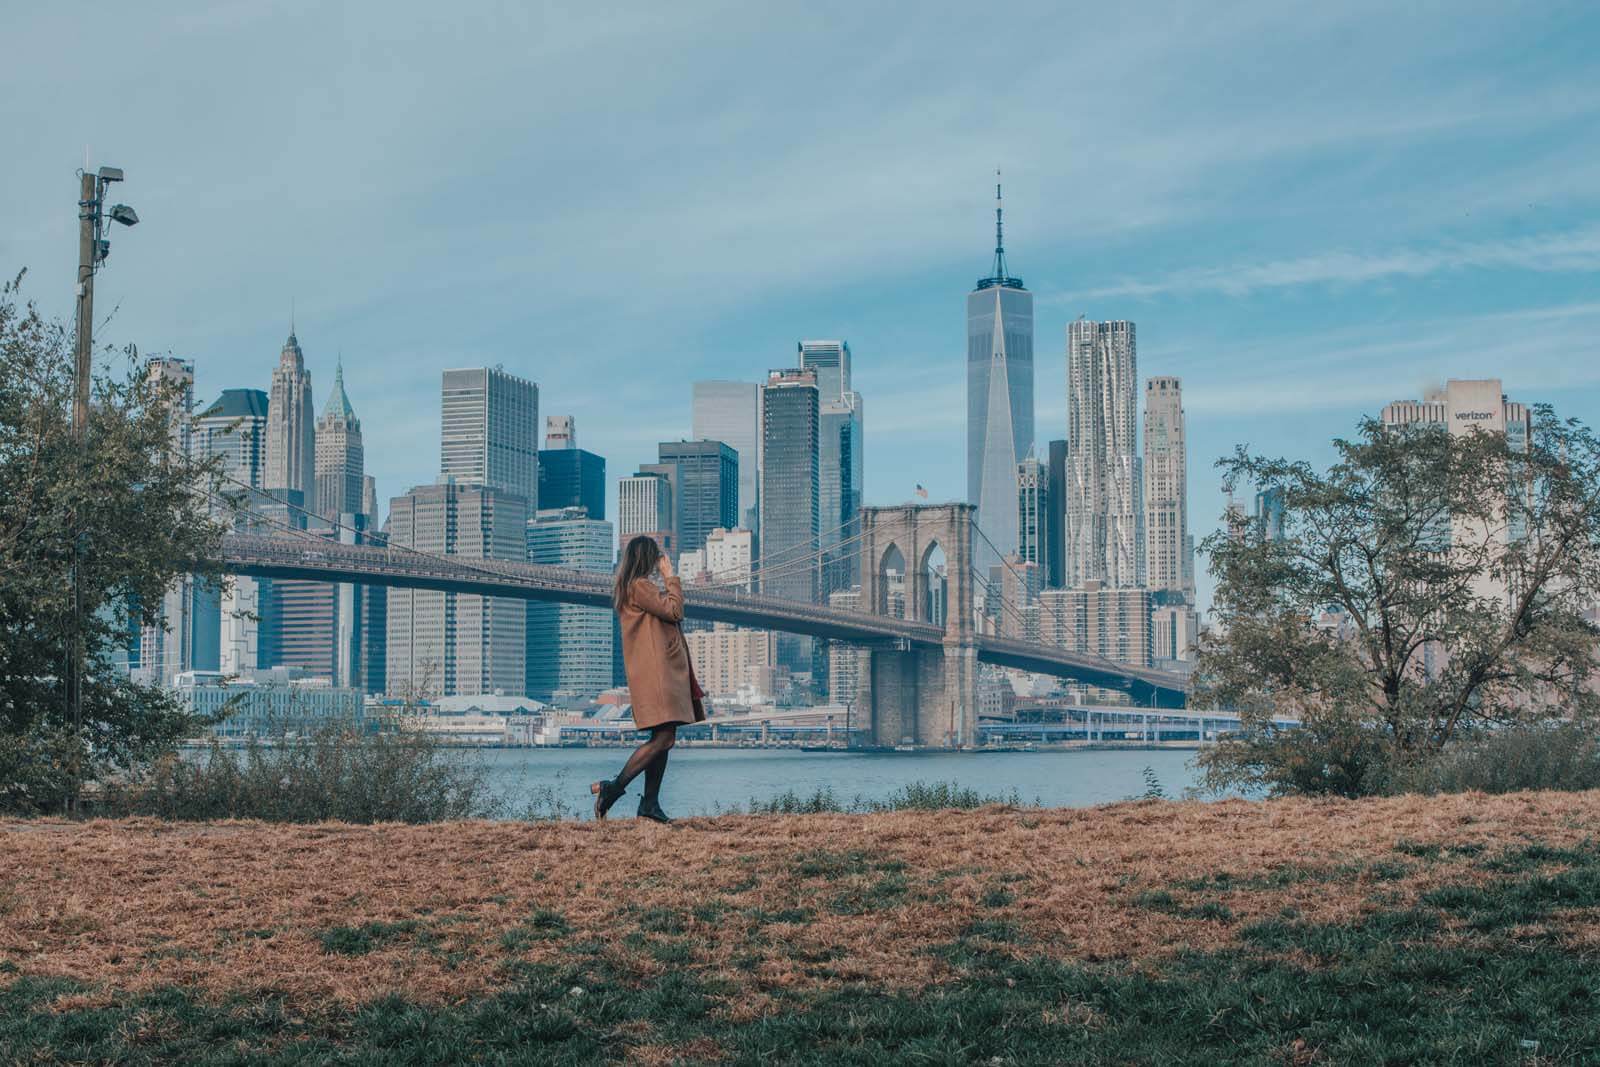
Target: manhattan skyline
pixel 1301 234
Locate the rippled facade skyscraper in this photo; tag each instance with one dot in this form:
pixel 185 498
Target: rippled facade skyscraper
pixel 1105 502
pixel 999 400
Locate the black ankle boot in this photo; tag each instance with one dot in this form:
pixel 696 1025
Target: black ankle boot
pixel 650 808
pixel 606 793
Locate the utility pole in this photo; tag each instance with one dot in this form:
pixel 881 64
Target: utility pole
pixel 88 251
pixel 82 353
pixel 92 250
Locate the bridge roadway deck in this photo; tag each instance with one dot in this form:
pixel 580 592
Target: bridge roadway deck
pixel 328 561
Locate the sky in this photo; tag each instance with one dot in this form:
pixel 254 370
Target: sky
pixel 1307 210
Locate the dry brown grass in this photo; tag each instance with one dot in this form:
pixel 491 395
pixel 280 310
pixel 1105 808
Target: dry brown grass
pixel 764 903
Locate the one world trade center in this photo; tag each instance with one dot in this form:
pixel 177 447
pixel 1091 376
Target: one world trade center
pixel 999 400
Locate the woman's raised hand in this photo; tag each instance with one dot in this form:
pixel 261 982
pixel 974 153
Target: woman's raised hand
pixel 664 565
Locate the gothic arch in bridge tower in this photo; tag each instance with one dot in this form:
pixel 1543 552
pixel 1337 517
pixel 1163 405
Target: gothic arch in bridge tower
pixel 933 579
pixel 922 696
pixel 891 561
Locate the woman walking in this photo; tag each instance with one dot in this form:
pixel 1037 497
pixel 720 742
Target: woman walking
pixel 661 679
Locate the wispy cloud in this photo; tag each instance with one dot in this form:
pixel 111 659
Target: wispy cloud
pixel 1542 354
pixel 1569 251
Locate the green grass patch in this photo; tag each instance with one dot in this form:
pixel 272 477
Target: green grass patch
pixel 711 912
pixel 1435 851
pixel 542 924
pixel 1165 902
pixel 369 937
pixel 1532 857
pixel 995 897
pixel 661 921
pixel 862 897
pixel 762 917
pixel 1277 878
pixel 822 863
pixel 662 949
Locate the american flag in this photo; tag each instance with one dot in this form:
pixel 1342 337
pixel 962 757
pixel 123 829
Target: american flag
pixel 923 493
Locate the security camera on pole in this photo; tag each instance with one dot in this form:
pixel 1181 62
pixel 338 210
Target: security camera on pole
pixel 92 251
pixel 93 248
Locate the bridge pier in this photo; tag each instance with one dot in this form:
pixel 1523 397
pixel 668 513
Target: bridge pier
pixel 927 698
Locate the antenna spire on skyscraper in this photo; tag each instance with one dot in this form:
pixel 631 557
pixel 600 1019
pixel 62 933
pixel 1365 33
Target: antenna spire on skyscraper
pixel 999 230
pixel 999 277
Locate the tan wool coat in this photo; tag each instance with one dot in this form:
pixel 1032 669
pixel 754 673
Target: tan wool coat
pixel 656 657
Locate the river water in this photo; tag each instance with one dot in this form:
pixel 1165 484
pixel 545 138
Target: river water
pixel 703 781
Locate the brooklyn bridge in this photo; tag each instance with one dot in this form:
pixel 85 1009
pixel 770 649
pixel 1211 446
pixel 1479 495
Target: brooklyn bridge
pixel 919 677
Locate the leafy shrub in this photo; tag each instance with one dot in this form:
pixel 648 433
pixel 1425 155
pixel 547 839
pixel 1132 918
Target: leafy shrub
pixel 334 772
pixel 937 796
pixel 791 803
pixel 1565 756
pixel 1332 753
pixel 914 796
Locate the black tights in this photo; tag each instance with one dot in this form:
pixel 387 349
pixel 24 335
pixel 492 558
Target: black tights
pixel 650 759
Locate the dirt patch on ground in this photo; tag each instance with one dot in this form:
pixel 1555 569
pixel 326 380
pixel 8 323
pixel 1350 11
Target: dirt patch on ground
pixel 767 904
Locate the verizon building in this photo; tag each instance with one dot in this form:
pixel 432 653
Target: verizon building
pixel 1462 406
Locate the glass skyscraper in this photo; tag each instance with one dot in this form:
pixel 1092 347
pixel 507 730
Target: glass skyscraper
pixel 572 478
pixel 730 412
pixel 234 427
pixel 789 485
pixel 1034 505
pixel 1056 522
pixel 706 489
pixel 840 460
pixel 830 362
pixel 569 645
pixel 999 399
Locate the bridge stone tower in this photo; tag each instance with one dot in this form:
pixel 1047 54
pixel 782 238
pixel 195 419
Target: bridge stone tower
pixel 917 695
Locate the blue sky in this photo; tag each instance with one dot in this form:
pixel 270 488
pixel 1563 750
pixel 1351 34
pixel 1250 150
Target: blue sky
pixel 1308 210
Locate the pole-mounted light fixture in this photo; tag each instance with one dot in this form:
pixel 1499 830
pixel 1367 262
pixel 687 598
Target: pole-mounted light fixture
pixel 93 249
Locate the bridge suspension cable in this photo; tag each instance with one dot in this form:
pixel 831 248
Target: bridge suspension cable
pixel 1021 584
pixel 1061 626
pixel 788 568
pixel 816 552
pixel 1000 599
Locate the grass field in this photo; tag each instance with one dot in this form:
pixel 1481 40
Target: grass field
pixel 1415 930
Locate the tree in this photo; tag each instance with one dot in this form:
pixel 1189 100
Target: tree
pixel 1428 585
pixel 132 513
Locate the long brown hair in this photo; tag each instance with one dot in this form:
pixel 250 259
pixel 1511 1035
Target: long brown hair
pixel 639 559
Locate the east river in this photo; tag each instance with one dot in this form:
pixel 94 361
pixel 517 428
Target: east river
pixel 703 781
